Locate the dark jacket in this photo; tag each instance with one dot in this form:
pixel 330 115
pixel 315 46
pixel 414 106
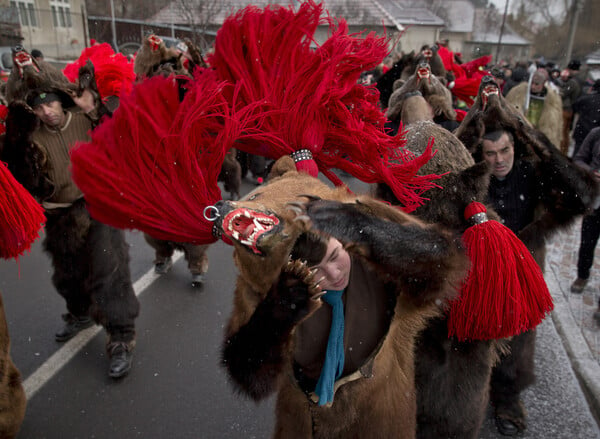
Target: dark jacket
pixel 588 156
pixel 588 109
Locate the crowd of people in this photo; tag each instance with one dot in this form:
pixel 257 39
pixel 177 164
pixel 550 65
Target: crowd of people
pixel 288 330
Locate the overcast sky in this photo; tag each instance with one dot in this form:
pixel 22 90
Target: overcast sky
pixel 500 5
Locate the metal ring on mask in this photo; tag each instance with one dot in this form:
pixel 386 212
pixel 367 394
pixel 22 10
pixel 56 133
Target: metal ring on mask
pixel 209 209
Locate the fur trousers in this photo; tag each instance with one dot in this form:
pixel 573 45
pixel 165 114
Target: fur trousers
pixel 91 270
pixel 511 376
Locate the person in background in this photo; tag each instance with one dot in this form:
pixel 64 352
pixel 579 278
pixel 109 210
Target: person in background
pixel 540 104
pixel 90 259
pixel 570 91
pixel 37 54
pixel 587 111
pixel 588 157
pixel 518 74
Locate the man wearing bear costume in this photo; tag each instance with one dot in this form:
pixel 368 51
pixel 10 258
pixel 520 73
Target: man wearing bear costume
pixel 536 190
pixel 277 337
pixel 452 403
pixel 90 259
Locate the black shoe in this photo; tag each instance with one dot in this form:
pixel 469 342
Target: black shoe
pixel 197 280
pixel 73 326
pixel 579 285
pixel 164 266
pixel 506 427
pixel 121 358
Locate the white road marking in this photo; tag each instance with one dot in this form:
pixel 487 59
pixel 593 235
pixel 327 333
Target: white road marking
pixel 52 365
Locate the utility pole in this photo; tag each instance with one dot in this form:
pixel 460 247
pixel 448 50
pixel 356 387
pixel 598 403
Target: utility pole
pixel 501 32
pixel 576 7
pixel 113 26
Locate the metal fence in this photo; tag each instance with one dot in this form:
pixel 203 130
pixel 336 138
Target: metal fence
pixel 62 32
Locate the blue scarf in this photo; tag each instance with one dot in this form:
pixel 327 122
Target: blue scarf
pixel 334 356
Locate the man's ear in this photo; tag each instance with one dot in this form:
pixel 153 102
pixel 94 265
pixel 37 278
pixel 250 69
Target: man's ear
pixel 281 166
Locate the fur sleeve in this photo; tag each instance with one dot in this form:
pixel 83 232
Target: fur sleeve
pixel 423 259
pixel 257 353
pixel 25 159
pixel 567 191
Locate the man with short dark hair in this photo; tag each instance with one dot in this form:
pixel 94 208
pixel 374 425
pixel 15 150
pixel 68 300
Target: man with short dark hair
pixel 90 259
pixel 522 186
pixel 513 186
pixel 37 54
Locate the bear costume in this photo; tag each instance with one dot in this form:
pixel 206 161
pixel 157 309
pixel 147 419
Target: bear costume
pixel 451 402
pixel 21 219
pixel 561 192
pixel 266 334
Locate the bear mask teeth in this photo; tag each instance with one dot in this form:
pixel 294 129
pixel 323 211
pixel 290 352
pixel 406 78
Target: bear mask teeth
pixel 247 226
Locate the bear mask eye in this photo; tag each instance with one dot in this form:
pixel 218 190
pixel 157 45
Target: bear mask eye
pixel 253 197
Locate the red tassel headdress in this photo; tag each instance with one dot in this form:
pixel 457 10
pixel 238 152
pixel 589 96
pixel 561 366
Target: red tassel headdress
pixel 154 165
pixel 113 71
pixel 272 94
pixel 311 98
pixel 505 292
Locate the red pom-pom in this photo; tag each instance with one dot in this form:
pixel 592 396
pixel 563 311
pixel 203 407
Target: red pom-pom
pixel 21 217
pixel 505 292
pixel 473 209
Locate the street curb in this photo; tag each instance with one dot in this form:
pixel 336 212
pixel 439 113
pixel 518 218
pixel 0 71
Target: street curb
pixel 585 366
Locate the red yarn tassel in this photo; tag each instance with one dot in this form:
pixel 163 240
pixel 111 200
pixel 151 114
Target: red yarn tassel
pixel 113 71
pixel 160 158
pixel 505 292
pixel 310 97
pixel 21 217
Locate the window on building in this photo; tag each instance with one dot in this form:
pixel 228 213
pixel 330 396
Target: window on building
pixel 27 12
pixel 61 13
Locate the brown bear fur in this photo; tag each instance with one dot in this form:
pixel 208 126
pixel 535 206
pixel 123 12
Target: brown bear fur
pixel 380 406
pixel 160 59
pixel 566 191
pixel 430 87
pixel 452 377
pixel 12 396
pixel 231 174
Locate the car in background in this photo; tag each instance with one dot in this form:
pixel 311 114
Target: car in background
pixel 6 62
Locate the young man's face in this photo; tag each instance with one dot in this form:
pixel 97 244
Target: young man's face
pixel 500 155
pixel 334 268
pixel 50 113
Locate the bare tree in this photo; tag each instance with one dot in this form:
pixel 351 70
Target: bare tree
pixel 543 12
pixel 546 24
pixel 199 15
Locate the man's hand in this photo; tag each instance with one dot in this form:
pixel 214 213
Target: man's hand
pixel 87 101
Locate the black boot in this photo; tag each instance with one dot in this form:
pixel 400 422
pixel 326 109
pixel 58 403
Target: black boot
pixel 506 427
pixel 73 325
pixel 121 358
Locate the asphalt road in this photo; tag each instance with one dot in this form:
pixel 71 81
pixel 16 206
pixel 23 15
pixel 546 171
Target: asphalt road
pixel 176 388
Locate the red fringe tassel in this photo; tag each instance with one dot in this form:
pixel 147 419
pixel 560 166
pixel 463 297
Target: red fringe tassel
pixel 309 96
pixel 113 71
pixel 21 217
pixel 505 292
pixel 159 159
